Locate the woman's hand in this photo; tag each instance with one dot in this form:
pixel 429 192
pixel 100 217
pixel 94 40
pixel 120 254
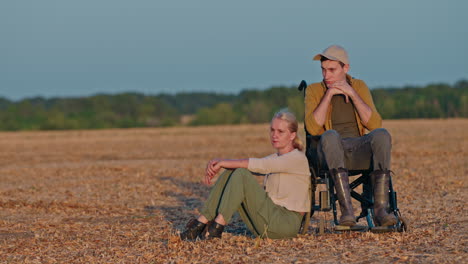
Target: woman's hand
pixel 215 165
pixel 212 168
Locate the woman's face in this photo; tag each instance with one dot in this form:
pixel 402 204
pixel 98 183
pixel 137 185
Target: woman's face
pixel 280 136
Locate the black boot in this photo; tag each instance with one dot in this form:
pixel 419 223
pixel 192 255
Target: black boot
pixel 340 178
pixel 194 228
pixel 215 230
pixel 380 183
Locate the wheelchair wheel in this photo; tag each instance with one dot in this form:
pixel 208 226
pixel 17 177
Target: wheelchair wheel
pixel 403 224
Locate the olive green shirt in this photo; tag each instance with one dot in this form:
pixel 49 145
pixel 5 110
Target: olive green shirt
pixel 343 117
pixel 316 91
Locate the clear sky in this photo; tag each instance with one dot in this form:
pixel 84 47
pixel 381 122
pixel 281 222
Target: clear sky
pixel 78 48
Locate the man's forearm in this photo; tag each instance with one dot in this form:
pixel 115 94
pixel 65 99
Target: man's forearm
pixel 362 108
pixel 320 113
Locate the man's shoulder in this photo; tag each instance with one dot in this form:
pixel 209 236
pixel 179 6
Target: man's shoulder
pixel 358 82
pixel 316 87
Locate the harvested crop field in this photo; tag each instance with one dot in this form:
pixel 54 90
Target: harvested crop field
pixel 122 196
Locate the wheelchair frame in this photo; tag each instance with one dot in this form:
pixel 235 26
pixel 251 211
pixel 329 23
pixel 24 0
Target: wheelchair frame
pixel 327 199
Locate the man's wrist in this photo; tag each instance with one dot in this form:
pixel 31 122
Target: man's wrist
pixel 353 94
pixel 328 95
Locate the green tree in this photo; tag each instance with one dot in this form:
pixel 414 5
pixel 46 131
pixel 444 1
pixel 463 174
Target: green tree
pixel 219 114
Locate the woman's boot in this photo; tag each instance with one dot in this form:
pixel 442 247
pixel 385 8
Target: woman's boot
pixel 380 183
pixel 341 181
pixel 215 230
pixel 194 228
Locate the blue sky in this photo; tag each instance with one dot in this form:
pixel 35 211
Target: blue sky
pixel 78 48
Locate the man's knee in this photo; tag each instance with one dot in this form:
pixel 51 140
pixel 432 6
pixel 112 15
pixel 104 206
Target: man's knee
pixel 381 137
pixel 330 137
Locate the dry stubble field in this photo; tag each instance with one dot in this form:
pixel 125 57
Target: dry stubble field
pixel 122 196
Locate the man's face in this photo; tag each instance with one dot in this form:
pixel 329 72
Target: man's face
pixel 332 71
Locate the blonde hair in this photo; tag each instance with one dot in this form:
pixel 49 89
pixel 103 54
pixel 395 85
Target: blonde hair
pixel 286 115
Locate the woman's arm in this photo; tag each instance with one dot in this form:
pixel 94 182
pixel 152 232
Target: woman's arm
pixel 214 165
pixel 292 163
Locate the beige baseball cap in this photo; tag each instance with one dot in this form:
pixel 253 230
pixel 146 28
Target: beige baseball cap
pixel 334 52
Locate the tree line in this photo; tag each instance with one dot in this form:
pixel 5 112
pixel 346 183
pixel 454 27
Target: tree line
pixel 249 106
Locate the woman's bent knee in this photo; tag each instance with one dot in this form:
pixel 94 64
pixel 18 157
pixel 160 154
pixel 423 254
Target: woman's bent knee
pixel 242 171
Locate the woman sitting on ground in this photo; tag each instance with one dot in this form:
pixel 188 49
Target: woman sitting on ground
pixel 275 211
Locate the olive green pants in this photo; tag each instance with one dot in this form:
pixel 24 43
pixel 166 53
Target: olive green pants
pixel 238 190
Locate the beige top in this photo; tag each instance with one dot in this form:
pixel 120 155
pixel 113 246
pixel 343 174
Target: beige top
pixel 287 179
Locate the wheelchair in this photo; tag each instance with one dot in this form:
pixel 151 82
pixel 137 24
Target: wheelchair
pixel 328 197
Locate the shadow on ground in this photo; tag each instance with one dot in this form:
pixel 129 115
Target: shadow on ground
pixel 190 197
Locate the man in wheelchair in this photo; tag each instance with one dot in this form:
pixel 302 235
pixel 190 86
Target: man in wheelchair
pixel 340 109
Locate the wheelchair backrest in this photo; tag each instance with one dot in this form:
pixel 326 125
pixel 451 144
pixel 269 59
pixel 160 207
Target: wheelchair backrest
pixel 311 141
